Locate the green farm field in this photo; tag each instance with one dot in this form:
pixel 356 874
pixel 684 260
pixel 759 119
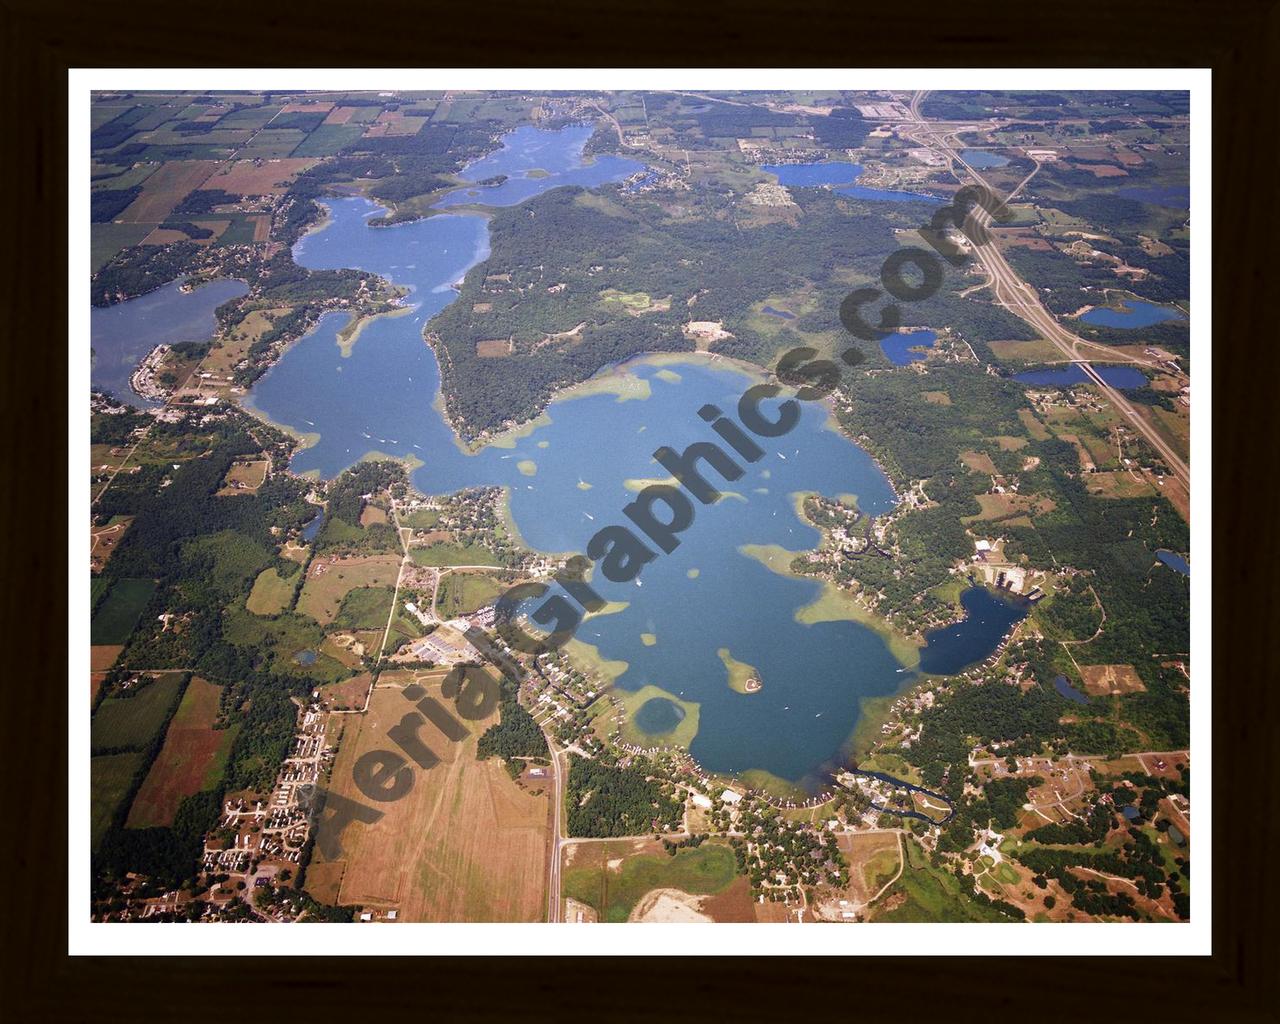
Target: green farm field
pixel 118 613
pixel 133 722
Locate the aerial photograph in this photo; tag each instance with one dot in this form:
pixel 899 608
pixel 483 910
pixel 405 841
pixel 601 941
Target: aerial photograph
pixel 627 506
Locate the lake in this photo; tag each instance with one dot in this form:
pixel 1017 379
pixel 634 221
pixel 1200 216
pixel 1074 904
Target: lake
pixel 1066 376
pixel 1063 685
pixel 841 176
pixel 983 159
pixel 988 619
pixel 122 335
pixel 1133 313
pixel 574 473
pixel 897 347
pixel 553 157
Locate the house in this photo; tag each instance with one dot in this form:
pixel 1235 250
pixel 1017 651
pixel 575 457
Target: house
pixel 730 797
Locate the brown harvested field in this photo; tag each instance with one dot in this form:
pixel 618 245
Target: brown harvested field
pixel 167 236
pixel 395 122
pixel 348 695
pixel 936 397
pixel 1111 679
pixel 324 881
pixel 1125 765
pixel 103 541
pixel 216 226
pixel 166 188
pixel 979 462
pixel 371 514
pixel 103 656
pixel 493 348
pixel 1009 443
pixel 339 115
pixel 308 107
pixel 1102 170
pixel 329 579
pixel 346 650
pixel 1035 428
pixel 773 913
pixel 245 477
pixel 733 905
pixel 261 229
pixel 192 758
pixel 1178 494
pixel 259 177
pixel 465 844
pixel 96 680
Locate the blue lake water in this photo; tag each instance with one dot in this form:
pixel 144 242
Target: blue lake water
pixel 988 619
pixel 526 149
pixel 1134 313
pixel 569 477
pixel 312 528
pixel 1063 685
pixel 841 175
pixel 1174 561
pixel 897 347
pixel 123 334
pixel 982 159
pixel 1116 376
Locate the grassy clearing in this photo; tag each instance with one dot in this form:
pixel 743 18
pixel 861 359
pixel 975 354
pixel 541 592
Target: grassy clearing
pixel 452 553
pixel 365 608
pixel 284 636
pixel 271 592
pixel 422 519
pixel 463 593
pixel 927 894
pixel 329 582
pixel 614 891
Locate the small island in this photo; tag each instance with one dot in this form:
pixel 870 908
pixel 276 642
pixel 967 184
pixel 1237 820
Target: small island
pixel 743 678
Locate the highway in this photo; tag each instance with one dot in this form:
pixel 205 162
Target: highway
pixel 557 837
pixel 1021 299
